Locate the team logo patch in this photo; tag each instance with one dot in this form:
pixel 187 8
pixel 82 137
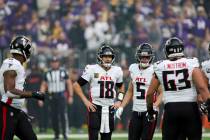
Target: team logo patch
pixel 96 75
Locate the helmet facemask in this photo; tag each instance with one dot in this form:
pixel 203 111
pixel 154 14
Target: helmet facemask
pixel 104 51
pixel 106 64
pixel 144 55
pixel 144 60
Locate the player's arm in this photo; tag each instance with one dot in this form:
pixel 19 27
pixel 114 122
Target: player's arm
pixel 12 92
pixel 43 87
pixel 154 85
pixel 70 90
pixel 120 95
pixel 200 83
pixel 199 97
pixel 128 95
pixel 125 101
pixel 202 89
pixel 77 86
pixel 159 97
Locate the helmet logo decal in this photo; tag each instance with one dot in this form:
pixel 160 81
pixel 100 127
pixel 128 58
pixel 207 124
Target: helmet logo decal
pixel 24 41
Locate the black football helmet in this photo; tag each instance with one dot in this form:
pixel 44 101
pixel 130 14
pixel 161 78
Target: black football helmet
pixel 105 50
pixel 174 48
pixel 21 45
pixel 144 50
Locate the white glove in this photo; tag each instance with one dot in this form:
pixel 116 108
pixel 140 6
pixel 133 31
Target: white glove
pixel 119 112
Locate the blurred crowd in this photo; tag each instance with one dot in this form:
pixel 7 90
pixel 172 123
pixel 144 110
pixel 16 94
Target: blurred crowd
pixel 75 28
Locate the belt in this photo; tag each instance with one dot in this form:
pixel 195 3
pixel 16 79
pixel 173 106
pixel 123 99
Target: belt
pixel 99 108
pixel 139 113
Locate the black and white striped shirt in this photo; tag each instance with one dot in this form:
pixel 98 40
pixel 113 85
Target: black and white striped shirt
pixel 56 80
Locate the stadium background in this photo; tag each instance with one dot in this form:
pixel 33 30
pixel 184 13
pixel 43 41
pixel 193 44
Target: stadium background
pixel 73 30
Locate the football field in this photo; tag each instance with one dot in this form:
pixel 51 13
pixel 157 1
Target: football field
pixel 116 136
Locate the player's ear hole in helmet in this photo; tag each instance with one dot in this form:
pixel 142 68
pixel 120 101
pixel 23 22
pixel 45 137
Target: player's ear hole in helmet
pixel 21 45
pixel 105 50
pixel 174 48
pixel 143 51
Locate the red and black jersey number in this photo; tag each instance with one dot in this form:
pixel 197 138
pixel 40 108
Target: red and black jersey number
pixel 169 84
pixel 106 89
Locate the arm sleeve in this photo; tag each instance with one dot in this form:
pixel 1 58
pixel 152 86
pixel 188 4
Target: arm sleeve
pixel 81 81
pixel 119 84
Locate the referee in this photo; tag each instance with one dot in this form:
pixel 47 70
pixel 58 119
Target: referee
pixel 56 82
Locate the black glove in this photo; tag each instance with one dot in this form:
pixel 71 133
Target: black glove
pixel 38 95
pixel 203 109
pixel 151 115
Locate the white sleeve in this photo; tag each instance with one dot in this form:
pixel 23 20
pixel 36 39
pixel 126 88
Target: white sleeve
pixel 10 66
pixel 87 73
pixel 120 76
pixel 195 63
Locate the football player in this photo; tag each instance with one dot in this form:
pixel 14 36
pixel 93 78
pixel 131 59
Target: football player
pixel 13 120
pixel 180 78
pixel 104 99
pixel 206 71
pixel 141 75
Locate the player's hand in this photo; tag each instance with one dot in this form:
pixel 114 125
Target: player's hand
pixel 90 106
pixel 40 103
pixel 70 100
pixel 38 95
pixel 119 112
pixel 116 105
pixel 151 115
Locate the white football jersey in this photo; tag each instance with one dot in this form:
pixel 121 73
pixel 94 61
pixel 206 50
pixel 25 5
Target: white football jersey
pixel 141 80
pixel 102 83
pixel 206 68
pixel 176 79
pixel 12 64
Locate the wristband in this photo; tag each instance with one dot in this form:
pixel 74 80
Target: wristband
pixel 120 96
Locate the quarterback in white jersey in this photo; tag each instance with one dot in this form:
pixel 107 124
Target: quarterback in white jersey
pixel 141 74
pixel 103 79
pixel 13 121
pixel 181 79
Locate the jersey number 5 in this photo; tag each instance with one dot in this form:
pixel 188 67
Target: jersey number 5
pixel 170 83
pixel 106 89
pixel 142 91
